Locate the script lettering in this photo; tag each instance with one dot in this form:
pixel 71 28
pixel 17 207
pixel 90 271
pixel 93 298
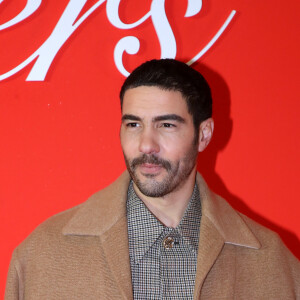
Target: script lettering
pixel 165 35
pixel 29 9
pixel 65 27
pixel 62 31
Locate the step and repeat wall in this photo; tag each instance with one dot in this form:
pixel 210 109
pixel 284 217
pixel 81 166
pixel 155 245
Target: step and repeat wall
pixel 61 67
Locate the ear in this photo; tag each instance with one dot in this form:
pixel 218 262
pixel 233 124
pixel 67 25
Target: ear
pixel 206 130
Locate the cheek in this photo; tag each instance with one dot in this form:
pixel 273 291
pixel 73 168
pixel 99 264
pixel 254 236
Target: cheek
pixel 182 152
pixel 123 143
pixel 174 152
pixel 128 145
pixel 176 145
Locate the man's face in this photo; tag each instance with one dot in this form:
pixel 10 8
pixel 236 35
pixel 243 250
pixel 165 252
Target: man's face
pixel 157 138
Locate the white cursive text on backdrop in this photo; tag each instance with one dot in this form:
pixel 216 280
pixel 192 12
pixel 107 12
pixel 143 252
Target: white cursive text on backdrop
pixel 66 25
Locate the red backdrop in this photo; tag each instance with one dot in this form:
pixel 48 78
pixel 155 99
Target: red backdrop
pixel 59 134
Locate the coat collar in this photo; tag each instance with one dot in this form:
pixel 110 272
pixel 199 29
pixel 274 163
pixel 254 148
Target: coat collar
pixel 101 211
pixel 228 223
pixel 105 208
pixel 104 215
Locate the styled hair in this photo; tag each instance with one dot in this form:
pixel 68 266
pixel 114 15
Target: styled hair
pixel 173 75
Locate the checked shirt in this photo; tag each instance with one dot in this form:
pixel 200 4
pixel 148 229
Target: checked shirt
pixel 163 260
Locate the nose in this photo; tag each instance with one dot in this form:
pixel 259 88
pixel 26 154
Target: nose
pixel 148 142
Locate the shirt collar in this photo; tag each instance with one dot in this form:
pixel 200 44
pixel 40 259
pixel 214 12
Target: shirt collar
pixel 144 228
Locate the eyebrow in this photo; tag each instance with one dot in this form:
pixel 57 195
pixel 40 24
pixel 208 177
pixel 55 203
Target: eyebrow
pixel 130 117
pixel 172 117
pixel 168 117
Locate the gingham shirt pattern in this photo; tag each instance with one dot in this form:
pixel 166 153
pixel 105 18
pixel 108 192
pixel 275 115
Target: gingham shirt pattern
pixel 157 272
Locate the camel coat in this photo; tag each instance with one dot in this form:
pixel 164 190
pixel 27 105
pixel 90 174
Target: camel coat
pixel 83 253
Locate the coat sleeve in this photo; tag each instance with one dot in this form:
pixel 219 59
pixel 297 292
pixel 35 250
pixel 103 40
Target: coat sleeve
pixel 13 283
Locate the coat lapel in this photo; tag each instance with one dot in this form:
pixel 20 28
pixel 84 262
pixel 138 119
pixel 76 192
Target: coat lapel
pixel 210 246
pixel 220 224
pixel 115 247
pixel 104 215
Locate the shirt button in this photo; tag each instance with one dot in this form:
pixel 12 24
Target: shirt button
pixel 168 242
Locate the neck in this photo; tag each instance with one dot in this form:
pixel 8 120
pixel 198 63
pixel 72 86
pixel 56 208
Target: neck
pixel 170 208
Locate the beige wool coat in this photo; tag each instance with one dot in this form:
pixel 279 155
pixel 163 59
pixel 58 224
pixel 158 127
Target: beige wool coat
pixel 83 253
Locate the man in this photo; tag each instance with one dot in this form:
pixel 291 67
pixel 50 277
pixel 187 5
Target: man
pixel 157 232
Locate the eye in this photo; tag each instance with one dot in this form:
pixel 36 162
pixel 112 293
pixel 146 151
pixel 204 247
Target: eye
pixel 132 125
pixel 168 125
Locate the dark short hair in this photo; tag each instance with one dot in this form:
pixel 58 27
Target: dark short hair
pixel 171 74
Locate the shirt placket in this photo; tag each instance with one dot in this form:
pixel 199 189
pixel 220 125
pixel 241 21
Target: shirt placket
pixel 168 243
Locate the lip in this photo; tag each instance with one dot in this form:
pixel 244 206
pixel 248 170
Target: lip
pixel 147 168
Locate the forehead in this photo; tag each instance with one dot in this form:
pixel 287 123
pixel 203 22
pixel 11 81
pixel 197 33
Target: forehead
pixel 152 101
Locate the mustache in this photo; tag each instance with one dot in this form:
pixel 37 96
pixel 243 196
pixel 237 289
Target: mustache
pixel 151 159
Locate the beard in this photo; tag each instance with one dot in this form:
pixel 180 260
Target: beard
pixel 177 173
